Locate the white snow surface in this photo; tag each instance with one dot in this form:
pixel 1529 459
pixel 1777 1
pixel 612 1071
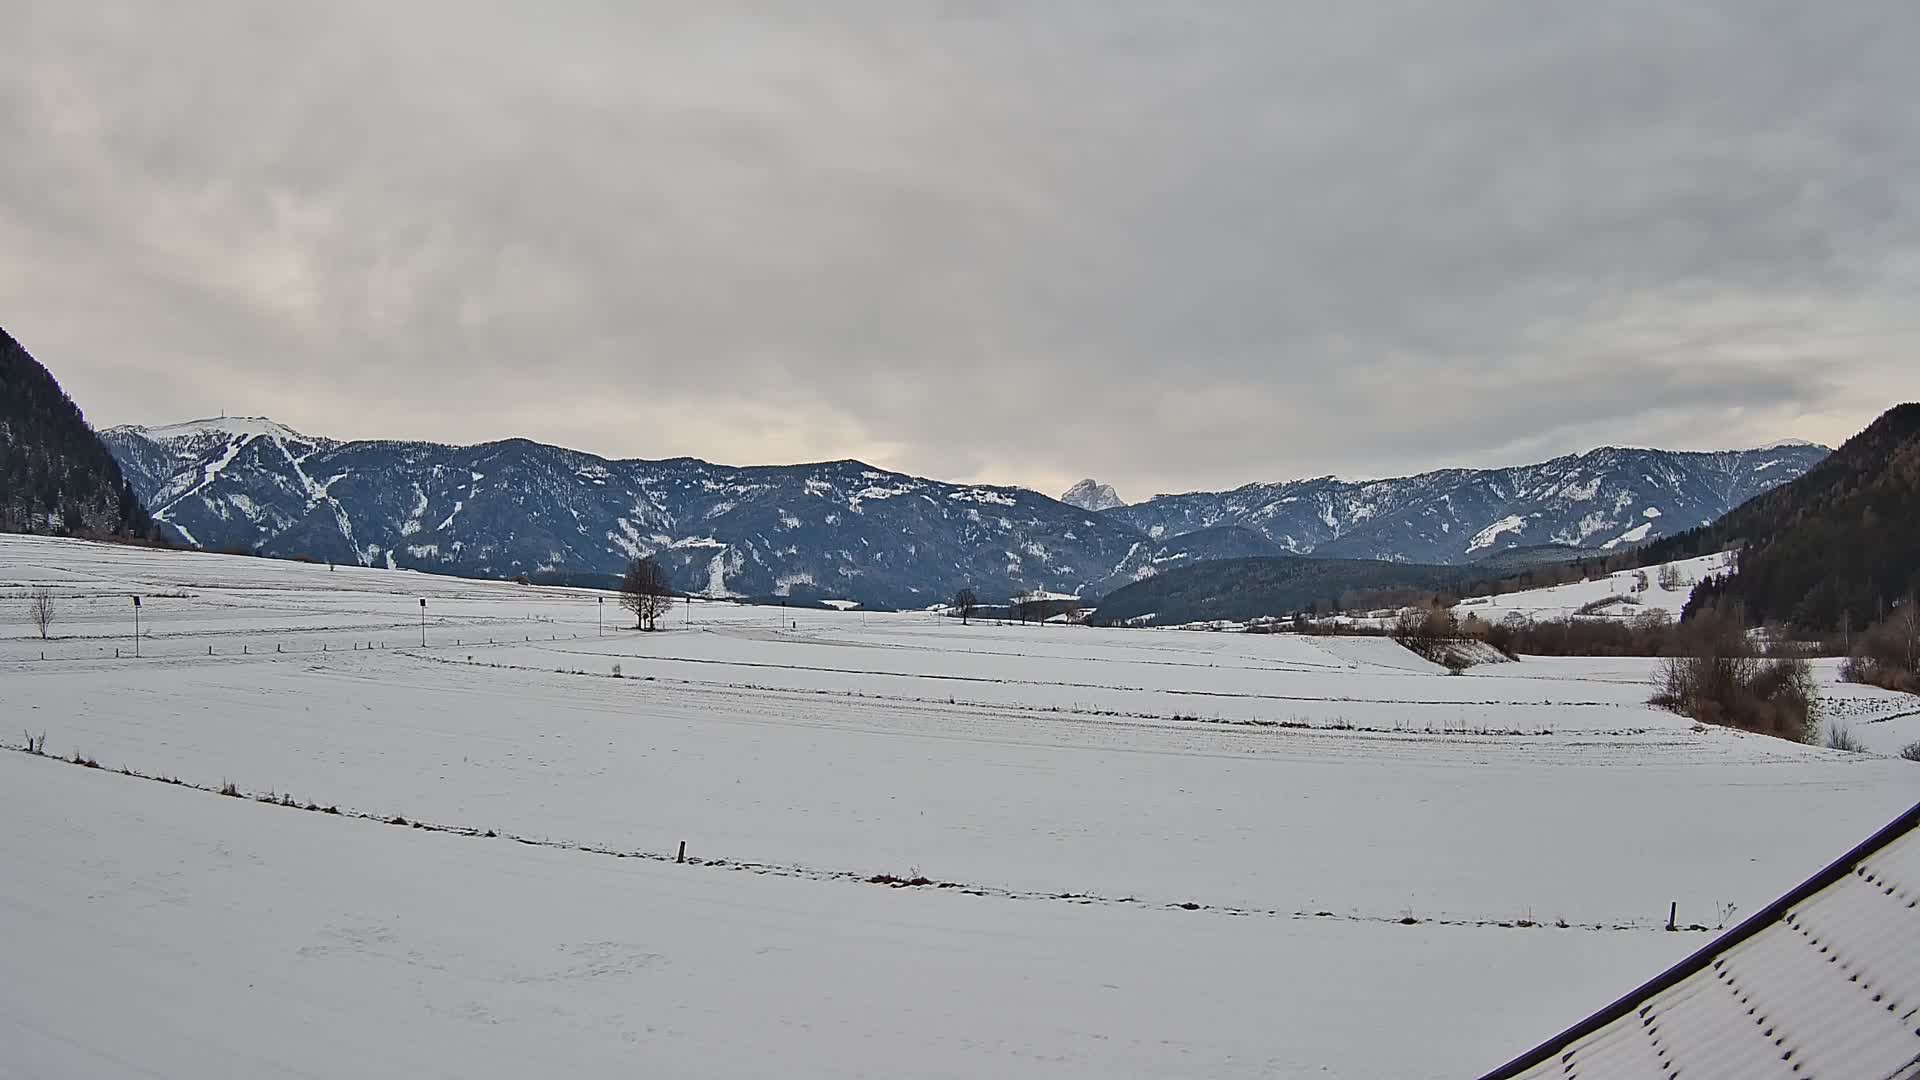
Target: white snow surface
pixel 239 427
pixel 1485 538
pixel 1074 786
pixel 1562 601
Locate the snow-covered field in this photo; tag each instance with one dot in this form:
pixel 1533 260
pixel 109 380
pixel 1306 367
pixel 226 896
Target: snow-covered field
pixel 1619 592
pixel 1149 852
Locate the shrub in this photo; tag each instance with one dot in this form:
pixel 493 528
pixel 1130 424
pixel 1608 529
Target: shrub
pixel 1888 654
pixel 1840 737
pixel 1649 633
pixel 1911 751
pixel 1596 607
pixel 1720 681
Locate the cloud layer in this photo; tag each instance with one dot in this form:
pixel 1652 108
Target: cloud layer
pixel 1174 246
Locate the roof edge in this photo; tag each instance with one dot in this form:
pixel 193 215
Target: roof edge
pixel 1699 960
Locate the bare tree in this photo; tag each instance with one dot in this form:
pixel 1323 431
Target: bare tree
pixel 1905 621
pixel 965 602
pixel 646 591
pixel 40 610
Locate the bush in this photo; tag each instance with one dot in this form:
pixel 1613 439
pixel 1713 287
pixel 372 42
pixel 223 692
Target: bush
pixel 1649 633
pixel 1888 654
pixel 1840 737
pixel 1911 751
pixel 1720 681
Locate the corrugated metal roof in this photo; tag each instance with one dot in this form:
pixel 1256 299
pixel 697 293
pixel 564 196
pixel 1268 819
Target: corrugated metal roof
pixel 1823 983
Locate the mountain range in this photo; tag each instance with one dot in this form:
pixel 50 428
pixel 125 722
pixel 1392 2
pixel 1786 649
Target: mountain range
pixel 843 529
pixel 1603 499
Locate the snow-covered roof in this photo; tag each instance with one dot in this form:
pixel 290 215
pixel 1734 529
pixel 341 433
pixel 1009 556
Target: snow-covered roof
pixel 1824 982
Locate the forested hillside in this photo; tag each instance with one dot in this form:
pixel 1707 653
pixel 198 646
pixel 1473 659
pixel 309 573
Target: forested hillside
pixel 55 475
pixel 1834 549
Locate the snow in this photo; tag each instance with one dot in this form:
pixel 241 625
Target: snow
pixel 1631 536
pixel 1486 537
pixel 241 428
pixel 172 932
pixel 876 492
pixel 716 567
pixel 208 473
pixel 783 585
pixel 1261 778
pixel 1563 601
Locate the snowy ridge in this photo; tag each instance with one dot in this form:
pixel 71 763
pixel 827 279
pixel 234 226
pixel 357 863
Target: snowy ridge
pixel 516 507
pixel 1605 498
pixel 242 427
pixel 1091 495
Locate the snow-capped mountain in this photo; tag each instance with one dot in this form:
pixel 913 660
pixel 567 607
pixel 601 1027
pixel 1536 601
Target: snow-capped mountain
pixel 503 509
pixel 1091 495
pixel 1604 498
pixel 843 529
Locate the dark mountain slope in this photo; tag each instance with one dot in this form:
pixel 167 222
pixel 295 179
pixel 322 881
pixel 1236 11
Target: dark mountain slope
pixel 1836 547
pixel 55 475
pixel 1242 589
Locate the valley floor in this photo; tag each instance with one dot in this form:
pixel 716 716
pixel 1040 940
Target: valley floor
pixel 1163 853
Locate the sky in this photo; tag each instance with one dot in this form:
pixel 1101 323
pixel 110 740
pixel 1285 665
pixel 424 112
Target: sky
pixel 1170 246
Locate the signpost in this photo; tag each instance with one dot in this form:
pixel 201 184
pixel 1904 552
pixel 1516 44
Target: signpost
pixel 136 626
pixel 423 622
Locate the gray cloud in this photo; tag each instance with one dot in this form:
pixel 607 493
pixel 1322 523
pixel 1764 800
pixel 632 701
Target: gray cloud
pixel 1173 246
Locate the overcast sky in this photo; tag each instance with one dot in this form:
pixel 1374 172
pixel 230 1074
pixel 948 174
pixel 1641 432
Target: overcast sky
pixel 1172 246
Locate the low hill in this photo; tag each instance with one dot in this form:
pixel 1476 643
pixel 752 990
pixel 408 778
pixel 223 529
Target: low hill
pixel 1149 559
pixel 55 474
pixel 1240 589
pixel 1834 548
